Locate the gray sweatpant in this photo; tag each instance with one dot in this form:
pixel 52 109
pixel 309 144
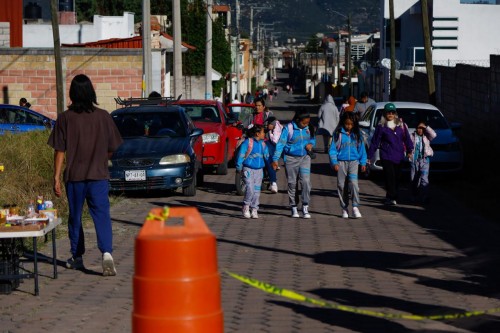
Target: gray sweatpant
pixel 347 183
pixel 298 171
pixel 253 183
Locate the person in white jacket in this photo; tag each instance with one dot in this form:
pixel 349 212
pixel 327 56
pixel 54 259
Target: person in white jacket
pixel 419 159
pixel 328 116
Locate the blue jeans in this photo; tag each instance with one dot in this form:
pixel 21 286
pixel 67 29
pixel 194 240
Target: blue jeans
pixel 95 192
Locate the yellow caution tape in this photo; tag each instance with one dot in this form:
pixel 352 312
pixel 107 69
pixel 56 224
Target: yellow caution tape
pixel 162 218
pixel 272 289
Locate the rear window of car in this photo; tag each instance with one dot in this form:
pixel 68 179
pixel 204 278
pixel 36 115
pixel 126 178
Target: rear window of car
pixel 153 124
pixel 203 113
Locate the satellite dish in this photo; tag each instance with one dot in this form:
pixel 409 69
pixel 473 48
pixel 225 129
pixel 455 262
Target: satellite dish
pixel 386 63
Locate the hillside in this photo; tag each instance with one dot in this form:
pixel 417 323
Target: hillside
pixel 300 19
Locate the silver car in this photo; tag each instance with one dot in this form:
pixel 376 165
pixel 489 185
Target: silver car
pixel 448 155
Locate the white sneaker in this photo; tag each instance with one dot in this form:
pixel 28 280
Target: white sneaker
pixel 274 188
pixel 108 265
pixel 246 211
pixel 254 214
pixel 345 214
pixel 305 211
pixel 356 213
pixel 295 212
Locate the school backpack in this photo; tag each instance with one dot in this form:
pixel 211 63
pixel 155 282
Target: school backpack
pixel 250 146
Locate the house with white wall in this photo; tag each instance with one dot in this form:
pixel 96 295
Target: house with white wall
pixel 39 34
pixel 462 31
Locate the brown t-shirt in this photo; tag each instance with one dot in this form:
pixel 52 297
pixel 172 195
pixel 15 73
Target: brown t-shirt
pixel 86 138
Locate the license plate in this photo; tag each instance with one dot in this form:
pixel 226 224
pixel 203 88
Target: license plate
pixel 131 175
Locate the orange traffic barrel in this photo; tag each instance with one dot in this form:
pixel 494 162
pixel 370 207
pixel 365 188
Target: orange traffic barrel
pixel 176 281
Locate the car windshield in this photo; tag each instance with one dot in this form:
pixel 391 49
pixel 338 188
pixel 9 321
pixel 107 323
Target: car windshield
pixel 243 114
pixel 153 124
pixel 205 113
pixel 412 117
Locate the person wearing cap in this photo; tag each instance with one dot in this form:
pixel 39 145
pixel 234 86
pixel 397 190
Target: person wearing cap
pixel 393 140
pixel 362 104
pixel 297 142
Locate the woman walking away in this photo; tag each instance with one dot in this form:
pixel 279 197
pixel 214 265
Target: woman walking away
pixel 347 153
pixel 251 161
pixel 392 137
pixel 274 129
pixel 420 165
pixel 328 116
pixel 297 142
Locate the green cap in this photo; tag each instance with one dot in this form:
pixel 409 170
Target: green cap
pixel 390 107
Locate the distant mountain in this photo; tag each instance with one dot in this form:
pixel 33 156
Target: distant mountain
pixel 300 19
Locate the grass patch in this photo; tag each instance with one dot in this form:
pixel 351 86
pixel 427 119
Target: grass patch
pixel 29 166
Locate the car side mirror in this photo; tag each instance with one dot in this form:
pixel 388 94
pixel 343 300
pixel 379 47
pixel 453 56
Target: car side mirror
pixel 196 132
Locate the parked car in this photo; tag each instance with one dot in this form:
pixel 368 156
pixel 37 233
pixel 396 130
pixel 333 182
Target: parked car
pixel 18 119
pixel 162 150
pixel 448 155
pixel 220 131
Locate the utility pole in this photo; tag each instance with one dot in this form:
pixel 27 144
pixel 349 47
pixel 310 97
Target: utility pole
pixel 208 53
pixel 349 54
pixel 428 53
pixel 392 75
pixel 250 46
pixel 147 70
pixel 57 57
pixel 237 62
pixel 177 48
pixel 257 72
pixel 338 64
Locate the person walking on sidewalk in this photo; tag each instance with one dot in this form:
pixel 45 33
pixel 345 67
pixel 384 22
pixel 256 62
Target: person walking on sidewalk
pixel 251 161
pixel 261 114
pixel 297 142
pixel 347 153
pixel 328 116
pixel 274 129
pixel 86 137
pixel 420 164
pixel 392 137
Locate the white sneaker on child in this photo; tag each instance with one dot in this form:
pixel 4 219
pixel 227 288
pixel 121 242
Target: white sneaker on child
pixel 274 188
pixel 356 213
pixel 254 214
pixel 246 211
pixel 295 212
pixel 305 211
pixel 345 213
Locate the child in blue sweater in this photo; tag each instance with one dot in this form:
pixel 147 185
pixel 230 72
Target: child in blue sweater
pixel 250 161
pixel 347 152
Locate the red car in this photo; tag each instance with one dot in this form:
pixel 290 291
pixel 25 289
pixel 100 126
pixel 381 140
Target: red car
pixel 220 131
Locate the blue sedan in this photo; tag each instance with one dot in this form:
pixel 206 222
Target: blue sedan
pixel 162 150
pixel 17 119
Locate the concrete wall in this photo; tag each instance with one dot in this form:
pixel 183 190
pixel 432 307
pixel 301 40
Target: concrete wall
pixel 30 73
pixel 466 94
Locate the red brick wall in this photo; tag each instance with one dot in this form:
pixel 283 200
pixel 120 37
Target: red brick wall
pixel 30 73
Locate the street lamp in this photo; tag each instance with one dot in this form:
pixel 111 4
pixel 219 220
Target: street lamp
pixel 348 49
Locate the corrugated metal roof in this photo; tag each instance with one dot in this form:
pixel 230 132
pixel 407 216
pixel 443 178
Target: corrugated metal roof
pixel 122 43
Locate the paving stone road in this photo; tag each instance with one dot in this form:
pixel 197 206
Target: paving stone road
pixel 432 260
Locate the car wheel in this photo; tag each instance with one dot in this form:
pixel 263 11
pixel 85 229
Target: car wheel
pixel 190 191
pixel 222 168
pixel 240 183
